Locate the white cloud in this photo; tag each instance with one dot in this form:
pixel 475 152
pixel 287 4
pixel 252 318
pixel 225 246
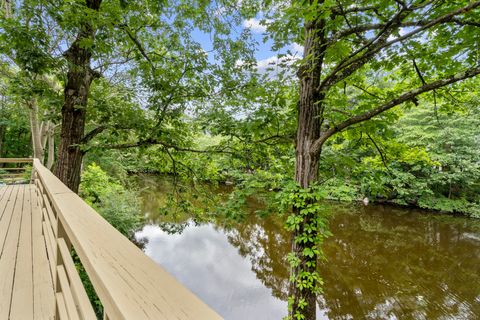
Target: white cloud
pixel 297 49
pixel 273 65
pixel 255 25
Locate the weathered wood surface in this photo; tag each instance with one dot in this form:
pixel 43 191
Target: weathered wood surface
pixel 26 285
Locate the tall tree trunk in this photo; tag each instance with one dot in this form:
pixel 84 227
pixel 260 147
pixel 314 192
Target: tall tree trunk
pixel 2 137
pixel 74 110
pixel 310 120
pixel 51 145
pixel 36 130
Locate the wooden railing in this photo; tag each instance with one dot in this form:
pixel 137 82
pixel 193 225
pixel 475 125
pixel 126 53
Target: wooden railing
pixel 128 283
pixel 13 170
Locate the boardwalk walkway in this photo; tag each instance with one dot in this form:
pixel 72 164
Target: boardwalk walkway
pixel 40 224
pixel 26 285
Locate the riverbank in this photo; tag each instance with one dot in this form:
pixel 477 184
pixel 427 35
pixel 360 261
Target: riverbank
pixel 240 269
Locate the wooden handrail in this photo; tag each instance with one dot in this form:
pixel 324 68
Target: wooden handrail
pixel 129 284
pixel 16 160
pixel 16 174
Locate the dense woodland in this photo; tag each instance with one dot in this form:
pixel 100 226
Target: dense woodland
pixel 378 101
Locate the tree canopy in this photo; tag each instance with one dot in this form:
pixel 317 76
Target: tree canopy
pixel 373 99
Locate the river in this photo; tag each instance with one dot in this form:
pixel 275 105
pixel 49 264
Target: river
pixel 382 262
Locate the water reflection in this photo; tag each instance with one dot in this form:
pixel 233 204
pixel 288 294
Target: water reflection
pixel 383 263
pixel 203 259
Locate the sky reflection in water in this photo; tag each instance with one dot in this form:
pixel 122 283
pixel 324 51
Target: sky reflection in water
pixel 203 259
pixel 383 263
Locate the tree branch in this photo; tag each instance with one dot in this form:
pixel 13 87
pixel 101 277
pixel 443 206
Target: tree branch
pixel 384 158
pixel 93 133
pixel 151 142
pixel 347 66
pixel 137 43
pixel 339 11
pixel 470 73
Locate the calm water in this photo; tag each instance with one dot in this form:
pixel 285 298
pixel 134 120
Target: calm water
pixel 383 263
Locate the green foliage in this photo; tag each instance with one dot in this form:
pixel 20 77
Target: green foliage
pixel 116 204
pixel 167 104
pixel 87 284
pixel 308 222
pixel 423 154
pixel 119 206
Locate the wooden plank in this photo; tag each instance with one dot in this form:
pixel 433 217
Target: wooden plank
pixel 37 190
pixel 61 309
pixel 47 178
pixel 6 210
pixel 13 180
pixel 78 292
pixel 52 222
pixel 3 191
pixel 67 294
pixel 22 296
pixel 8 204
pixel 50 254
pixel 43 293
pixel 16 160
pixel 50 233
pixel 13 169
pixel 9 255
pixel 11 175
pixel 39 186
pixel 129 284
pixel 51 214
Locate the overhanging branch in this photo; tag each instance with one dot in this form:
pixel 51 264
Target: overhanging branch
pixel 151 142
pixel 350 64
pixel 407 96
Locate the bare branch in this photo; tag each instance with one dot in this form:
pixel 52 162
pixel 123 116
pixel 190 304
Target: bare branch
pixel 382 155
pixel 466 22
pixel 366 91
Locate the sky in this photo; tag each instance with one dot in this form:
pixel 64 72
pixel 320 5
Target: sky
pixel 264 54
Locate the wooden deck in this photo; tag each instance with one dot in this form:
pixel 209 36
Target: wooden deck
pixel 26 285
pixel 40 224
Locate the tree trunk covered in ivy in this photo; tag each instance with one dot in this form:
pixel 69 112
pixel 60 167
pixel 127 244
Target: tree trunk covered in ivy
pixel 318 76
pixel 306 167
pixel 74 110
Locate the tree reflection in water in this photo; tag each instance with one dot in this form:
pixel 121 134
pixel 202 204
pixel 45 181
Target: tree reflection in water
pixel 382 263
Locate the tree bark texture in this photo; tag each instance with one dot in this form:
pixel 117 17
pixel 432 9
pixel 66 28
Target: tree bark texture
pixel 74 110
pixel 310 120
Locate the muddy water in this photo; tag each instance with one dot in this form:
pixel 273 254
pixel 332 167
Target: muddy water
pixel 382 263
